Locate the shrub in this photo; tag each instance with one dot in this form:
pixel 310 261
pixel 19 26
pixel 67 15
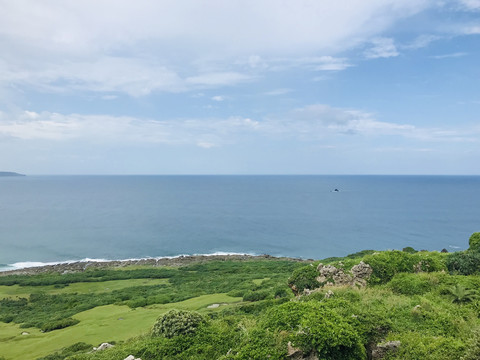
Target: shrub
pixel 416 345
pixel 317 328
pixel 303 278
pixel 256 295
pixel 461 294
pixel 262 344
pixel 409 250
pixel 59 324
pixel 281 292
pixel 474 242
pixel 463 262
pixel 76 348
pixel 473 348
pixel 177 322
pixel 412 284
pixel 388 263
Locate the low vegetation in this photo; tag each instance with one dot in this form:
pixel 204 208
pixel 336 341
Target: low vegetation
pixel 424 302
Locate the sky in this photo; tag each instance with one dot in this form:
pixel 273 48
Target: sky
pixel 240 87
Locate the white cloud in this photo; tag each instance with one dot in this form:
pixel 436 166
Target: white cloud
pixel 141 47
pixel 422 41
pixel 109 97
pixel 206 145
pixel 29 125
pixel 218 98
pixel 322 121
pixel 93 25
pixel 313 123
pixel 470 4
pixel 218 79
pixel 313 63
pixel 135 77
pixel 470 30
pixel 327 63
pixel 277 92
pixel 381 48
pixel 452 55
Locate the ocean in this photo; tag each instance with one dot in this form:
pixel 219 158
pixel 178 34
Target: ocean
pixel 49 219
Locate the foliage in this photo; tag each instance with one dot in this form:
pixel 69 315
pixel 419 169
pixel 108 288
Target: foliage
pixel 76 348
pixel 388 263
pixel 186 282
pixel 409 299
pixel 256 295
pixel 86 276
pixel 461 294
pixel 413 284
pixel 415 345
pixel 177 322
pixel 304 278
pixel 316 328
pixel 357 255
pixel 474 242
pixel 463 262
pixel 473 347
pixel 409 250
pixel 59 324
pixel 261 344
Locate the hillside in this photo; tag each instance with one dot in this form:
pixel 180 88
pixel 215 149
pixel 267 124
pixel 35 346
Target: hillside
pixel 369 305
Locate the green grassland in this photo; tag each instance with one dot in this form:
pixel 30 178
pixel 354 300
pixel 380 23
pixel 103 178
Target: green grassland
pixel 109 323
pixel 79 288
pixel 428 301
pixel 114 310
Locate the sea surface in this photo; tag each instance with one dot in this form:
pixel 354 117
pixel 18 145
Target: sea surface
pixel 45 219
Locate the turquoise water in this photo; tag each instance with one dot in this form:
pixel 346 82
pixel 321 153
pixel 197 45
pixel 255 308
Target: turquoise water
pixel 61 218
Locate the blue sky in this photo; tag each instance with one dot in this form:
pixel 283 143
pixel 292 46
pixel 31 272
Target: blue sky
pixel 240 87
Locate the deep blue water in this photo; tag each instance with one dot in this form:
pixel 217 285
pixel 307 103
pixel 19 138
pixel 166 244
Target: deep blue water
pixel 59 218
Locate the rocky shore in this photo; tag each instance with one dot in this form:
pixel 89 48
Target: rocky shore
pixel 173 261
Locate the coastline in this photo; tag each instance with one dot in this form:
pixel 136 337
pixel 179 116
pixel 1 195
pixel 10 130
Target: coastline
pixel 181 260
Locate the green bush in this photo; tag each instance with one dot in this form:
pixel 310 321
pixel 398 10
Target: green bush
pixel 262 344
pixel 313 327
pixel 256 295
pixel 303 278
pixel 473 347
pixel 388 263
pixel 76 348
pixel 422 346
pixel 281 292
pixel 412 284
pixel 474 242
pixel 463 262
pixel 177 322
pixel 59 324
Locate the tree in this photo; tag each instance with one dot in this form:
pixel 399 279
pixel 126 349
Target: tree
pixel 474 242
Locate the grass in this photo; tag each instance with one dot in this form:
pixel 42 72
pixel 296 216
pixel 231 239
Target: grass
pixel 101 324
pixel 79 288
pixel 260 281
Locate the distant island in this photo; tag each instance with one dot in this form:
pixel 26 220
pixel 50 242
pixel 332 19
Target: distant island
pixel 9 173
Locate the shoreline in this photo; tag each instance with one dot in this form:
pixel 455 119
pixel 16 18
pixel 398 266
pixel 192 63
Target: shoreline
pixel 181 260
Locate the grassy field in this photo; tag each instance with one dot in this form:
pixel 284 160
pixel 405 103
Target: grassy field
pixel 79 288
pixel 428 301
pixel 101 324
pixel 118 304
